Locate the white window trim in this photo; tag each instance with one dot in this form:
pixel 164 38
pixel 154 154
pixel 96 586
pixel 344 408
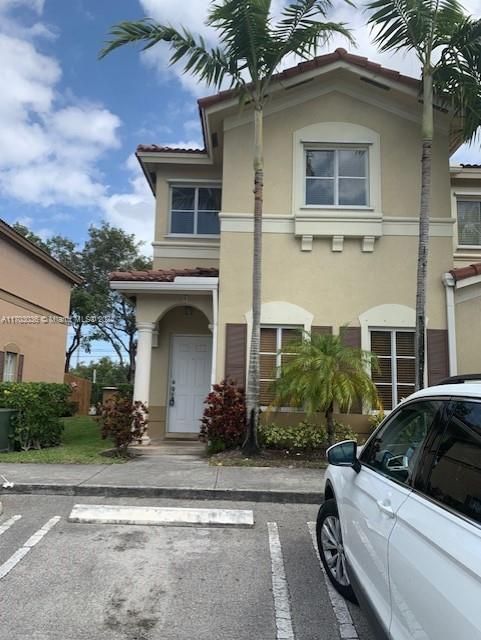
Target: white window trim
pixel 336 148
pixel 192 185
pixel 337 134
pixel 465 198
pixel 393 358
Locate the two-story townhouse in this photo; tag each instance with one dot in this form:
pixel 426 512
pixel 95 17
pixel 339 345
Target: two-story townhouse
pixel 340 227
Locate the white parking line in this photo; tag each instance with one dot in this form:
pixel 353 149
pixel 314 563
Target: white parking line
pixel 12 562
pixel 346 626
pixel 280 588
pixel 8 523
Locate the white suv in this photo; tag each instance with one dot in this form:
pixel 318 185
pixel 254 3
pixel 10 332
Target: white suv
pixel 400 529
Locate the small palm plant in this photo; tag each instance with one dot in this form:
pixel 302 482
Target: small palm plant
pixel 252 47
pixel 320 372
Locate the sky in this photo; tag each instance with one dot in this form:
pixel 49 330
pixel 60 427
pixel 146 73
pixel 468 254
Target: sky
pixel 69 123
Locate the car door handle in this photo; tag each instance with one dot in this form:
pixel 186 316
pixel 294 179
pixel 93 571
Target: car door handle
pixel 385 507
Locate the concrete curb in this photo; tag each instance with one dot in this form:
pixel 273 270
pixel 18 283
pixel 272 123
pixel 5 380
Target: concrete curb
pixel 241 495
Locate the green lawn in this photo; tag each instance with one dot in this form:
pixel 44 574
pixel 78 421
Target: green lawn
pixel 81 444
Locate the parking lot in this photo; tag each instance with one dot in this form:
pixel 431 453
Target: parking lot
pixel 62 580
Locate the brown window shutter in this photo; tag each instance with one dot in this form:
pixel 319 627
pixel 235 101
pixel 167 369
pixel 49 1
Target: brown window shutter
pixel 2 360
pixel 321 330
pixel 351 337
pixel 20 367
pixel 235 353
pixel 438 355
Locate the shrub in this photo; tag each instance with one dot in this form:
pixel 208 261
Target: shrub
pixel 223 424
pixel 123 420
pixel 302 437
pixel 70 408
pixel 40 406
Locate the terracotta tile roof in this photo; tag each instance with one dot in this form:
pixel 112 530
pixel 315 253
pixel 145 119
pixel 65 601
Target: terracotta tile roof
pixel 302 67
pixel 461 273
pixel 154 148
pixel 163 275
pixel 318 62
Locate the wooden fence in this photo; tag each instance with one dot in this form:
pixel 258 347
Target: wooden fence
pixel 81 392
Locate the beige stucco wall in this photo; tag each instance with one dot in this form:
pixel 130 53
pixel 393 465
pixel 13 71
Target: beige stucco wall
pixel 188 173
pixel 400 156
pixel 335 287
pixel 468 333
pixel 31 290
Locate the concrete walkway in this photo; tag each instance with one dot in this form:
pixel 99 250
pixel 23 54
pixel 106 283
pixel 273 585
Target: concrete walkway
pixel 179 476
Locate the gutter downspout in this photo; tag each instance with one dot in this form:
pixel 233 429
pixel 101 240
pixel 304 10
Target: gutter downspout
pixel 215 314
pixel 450 284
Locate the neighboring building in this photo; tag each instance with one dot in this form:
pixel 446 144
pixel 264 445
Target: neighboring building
pixel 34 296
pixel 463 283
pixel 341 203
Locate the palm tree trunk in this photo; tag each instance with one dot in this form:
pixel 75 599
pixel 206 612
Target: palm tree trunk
pixel 251 445
pixel 330 425
pixel 424 216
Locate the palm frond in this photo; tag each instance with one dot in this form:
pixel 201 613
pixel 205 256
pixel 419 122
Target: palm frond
pixel 209 65
pixel 457 75
pixel 321 371
pixel 244 30
pixel 401 24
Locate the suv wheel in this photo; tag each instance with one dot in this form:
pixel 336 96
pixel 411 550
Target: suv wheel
pixel 331 550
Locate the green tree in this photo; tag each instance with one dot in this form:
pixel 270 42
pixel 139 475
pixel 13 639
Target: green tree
pixel 252 46
pixel 320 373
pixel 110 249
pixel 447 44
pixel 108 372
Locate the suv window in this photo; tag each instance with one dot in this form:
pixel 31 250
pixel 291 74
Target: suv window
pixel 455 478
pixel 395 448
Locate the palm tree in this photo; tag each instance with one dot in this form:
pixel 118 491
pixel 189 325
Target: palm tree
pixel 319 372
pixel 252 46
pixel 447 44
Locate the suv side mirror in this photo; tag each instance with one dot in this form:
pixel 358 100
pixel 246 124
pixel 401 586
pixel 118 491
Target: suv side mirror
pixel 344 454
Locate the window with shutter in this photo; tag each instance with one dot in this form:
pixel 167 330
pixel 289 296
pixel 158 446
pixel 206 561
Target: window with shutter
pixel 10 367
pixel 273 340
pixel 394 379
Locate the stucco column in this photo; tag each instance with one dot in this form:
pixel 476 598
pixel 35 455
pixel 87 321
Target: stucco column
pixel 142 366
pixel 450 284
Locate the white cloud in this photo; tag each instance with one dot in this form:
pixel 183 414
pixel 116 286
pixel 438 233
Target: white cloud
pixel 35 5
pixel 133 211
pixel 48 153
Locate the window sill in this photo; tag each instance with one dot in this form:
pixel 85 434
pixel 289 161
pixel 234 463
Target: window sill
pixel 335 208
pixel 469 247
pixel 193 236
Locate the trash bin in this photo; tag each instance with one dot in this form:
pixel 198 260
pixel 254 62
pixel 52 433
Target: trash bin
pixel 6 429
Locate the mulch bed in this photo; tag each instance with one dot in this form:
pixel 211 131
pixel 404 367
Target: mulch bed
pixel 271 458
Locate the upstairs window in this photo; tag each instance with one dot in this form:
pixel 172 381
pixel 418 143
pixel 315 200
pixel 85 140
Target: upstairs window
pixel 336 177
pixel 469 223
pixel 395 378
pixel 194 211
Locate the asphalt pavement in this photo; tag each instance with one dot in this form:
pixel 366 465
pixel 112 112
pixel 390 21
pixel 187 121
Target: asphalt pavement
pixel 63 580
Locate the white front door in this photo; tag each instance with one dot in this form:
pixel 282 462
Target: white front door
pixel 189 382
